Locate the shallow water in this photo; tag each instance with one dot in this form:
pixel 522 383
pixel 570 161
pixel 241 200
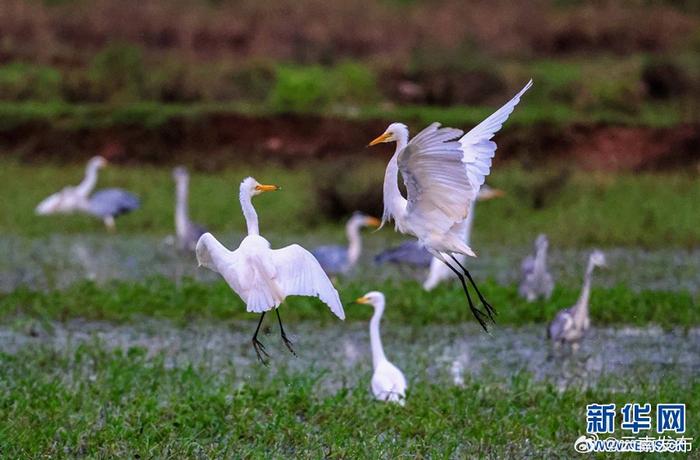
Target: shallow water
pixel 60 260
pixel 340 351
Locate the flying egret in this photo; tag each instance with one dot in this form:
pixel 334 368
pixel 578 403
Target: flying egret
pixel 415 254
pixel 105 204
pixel 536 279
pixel 438 271
pixel 340 259
pixel 388 382
pixel 263 277
pixel 442 170
pixel 571 324
pixel 186 231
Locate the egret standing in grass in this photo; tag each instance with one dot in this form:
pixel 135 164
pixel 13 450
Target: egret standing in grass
pixel 336 259
pixel 388 382
pixel 536 280
pixel 443 171
pixel 105 204
pixel 263 277
pixel 186 231
pixel 570 324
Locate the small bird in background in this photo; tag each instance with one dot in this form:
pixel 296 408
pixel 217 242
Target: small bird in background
pixel 263 277
pixel 536 281
pixel 105 204
pixel 187 232
pixel 388 382
pixel 336 259
pixel 570 324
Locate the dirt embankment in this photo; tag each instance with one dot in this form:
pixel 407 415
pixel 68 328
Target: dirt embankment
pixel 219 139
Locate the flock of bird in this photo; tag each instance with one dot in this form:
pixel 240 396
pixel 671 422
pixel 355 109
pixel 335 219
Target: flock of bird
pixel 443 170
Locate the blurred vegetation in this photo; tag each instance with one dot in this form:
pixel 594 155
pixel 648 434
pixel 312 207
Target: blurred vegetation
pixel 125 301
pixel 573 208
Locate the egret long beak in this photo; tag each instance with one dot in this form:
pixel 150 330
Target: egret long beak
pixel 373 221
pixel 362 300
pixel 267 188
pixel 497 193
pixel 383 138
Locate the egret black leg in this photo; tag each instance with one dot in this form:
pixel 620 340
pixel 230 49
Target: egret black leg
pixel 287 342
pixel 478 314
pixel 489 309
pixel 257 345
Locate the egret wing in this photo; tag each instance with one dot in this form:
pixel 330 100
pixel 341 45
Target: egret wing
pixel 437 187
pixel 297 272
pixel 478 147
pixel 214 256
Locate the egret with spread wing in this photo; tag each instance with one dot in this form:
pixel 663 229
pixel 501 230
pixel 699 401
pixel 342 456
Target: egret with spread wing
pixel 341 259
pixel 105 204
pixel 443 170
pixel 264 277
pixel 388 382
pixel 186 231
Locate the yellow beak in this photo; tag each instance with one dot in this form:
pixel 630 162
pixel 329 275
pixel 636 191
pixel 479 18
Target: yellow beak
pixel 362 300
pixel 373 221
pixel 383 138
pixel 267 188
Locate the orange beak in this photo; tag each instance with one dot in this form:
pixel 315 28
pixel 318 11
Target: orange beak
pixel 267 188
pixel 373 222
pixel 383 138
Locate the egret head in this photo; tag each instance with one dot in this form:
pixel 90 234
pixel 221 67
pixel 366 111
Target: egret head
pixel 253 187
pixel 541 242
pixel 489 193
pixel 374 298
pixel 180 173
pixel 97 162
pixel 363 220
pixel 597 258
pixel 393 133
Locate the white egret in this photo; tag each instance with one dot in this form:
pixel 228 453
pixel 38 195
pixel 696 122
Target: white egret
pixel 438 270
pixel 186 231
pixel 536 279
pixel 570 324
pixel 263 277
pixel 341 259
pixel 388 382
pixel 443 171
pixel 105 204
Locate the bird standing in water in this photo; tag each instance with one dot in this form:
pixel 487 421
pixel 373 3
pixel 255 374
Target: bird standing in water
pixel 106 204
pixel 336 259
pixel 388 382
pixel 263 277
pixel 187 232
pixel 536 279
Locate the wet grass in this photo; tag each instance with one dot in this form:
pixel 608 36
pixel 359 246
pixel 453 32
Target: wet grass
pixel 408 303
pixel 93 402
pixel 582 209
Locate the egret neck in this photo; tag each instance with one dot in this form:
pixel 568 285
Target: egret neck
pixel 181 212
pixel 251 217
pixel 88 184
pixel 375 340
pixel 394 202
pixel 352 229
pixel 581 312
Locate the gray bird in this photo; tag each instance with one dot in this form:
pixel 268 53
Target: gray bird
pixel 186 231
pixel 409 253
pixel 336 259
pixel 105 204
pixel 536 280
pixel 570 324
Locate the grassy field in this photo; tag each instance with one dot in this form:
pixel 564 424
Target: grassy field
pixel 121 301
pixel 98 403
pixel 580 209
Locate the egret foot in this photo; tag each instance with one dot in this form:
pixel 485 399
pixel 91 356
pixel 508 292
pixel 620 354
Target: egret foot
pixel 287 342
pixel 489 309
pixel 480 316
pixel 258 346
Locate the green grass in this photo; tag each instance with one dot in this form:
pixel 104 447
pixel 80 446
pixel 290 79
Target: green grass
pixel 122 301
pixel 114 404
pixel 651 210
